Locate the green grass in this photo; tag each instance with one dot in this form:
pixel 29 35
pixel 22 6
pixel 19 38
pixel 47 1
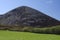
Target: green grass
pixel 11 35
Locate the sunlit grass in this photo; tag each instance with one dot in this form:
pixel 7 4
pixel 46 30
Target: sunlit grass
pixel 12 35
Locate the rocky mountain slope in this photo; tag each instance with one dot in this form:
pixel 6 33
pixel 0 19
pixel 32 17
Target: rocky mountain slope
pixel 26 16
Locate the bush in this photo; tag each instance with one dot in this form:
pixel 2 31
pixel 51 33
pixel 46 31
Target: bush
pixel 50 30
pixel 47 30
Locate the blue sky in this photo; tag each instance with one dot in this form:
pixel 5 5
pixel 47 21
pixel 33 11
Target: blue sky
pixel 49 7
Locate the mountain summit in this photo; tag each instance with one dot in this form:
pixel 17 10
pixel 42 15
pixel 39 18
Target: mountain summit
pixel 27 16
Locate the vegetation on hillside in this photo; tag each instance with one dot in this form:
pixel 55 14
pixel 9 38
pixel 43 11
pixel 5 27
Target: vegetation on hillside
pixel 46 30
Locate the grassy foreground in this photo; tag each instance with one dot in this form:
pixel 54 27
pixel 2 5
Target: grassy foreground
pixel 11 35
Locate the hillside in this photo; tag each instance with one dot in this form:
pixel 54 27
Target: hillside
pixel 28 17
pixel 23 17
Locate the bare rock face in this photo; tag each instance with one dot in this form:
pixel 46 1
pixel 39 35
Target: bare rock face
pixel 27 16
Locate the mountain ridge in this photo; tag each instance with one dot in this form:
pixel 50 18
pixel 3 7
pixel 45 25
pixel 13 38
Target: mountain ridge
pixel 27 16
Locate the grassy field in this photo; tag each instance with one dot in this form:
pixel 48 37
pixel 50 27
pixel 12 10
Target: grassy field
pixel 11 35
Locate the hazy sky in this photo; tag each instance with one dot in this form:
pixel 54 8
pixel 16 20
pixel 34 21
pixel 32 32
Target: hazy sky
pixel 49 7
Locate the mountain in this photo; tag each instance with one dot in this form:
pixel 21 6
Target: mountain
pixel 26 16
